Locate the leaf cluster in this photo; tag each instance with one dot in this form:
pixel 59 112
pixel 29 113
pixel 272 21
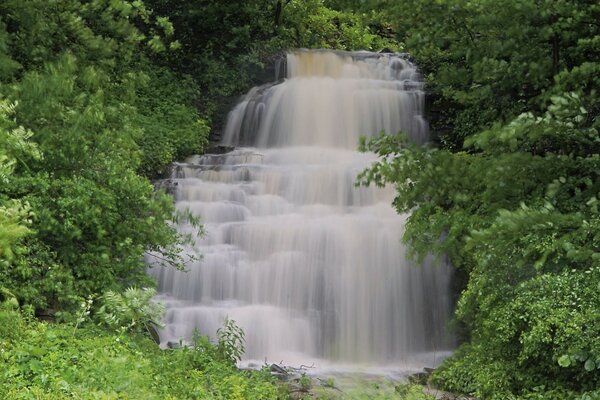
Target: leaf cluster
pixel 516 211
pixel 50 361
pixel 133 310
pixel 227 47
pixel 88 118
pixel 509 186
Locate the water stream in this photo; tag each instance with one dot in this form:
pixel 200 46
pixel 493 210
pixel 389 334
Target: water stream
pixel 311 267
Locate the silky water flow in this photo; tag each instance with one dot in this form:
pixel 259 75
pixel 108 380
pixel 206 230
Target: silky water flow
pixel 310 266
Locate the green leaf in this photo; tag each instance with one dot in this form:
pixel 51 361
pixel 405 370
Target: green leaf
pixel 564 361
pixel 589 365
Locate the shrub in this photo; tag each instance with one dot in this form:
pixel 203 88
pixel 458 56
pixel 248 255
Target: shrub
pixel 133 310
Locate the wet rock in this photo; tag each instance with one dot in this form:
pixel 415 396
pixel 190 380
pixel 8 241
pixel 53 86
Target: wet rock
pixel 278 369
pixel 153 331
pixel 419 378
pixel 173 345
pixel 219 149
pixel 168 185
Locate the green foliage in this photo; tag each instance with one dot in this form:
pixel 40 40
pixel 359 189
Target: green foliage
pixel 231 341
pixel 511 196
pixel 12 227
pixel 79 75
pixel 130 311
pixel 14 214
pixel 305 383
pixel 172 128
pixel 226 45
pixel 228 349
pixel 490 60
pixel 310 24
pixel 518 214
pixel 363 388
pixel 46 361
pixel 411 392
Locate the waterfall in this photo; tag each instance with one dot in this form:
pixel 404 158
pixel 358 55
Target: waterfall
pixel 310 266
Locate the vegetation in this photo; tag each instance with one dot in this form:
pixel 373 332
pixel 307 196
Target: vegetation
pixel 99 97
pixel 371 389
pixel 510 189
pixel 226 45
pixel 52 361
pixel 74 77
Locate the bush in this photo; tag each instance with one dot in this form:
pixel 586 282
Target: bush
pixel 130 311
pixel 79 76
pixel 51 361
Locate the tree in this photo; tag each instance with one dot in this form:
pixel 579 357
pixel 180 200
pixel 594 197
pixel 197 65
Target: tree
pixel 509 189
pixel 79 73
pixel 14 214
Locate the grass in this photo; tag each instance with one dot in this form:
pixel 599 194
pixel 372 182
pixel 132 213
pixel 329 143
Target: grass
pixel 55 361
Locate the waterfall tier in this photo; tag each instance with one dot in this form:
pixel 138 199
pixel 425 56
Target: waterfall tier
pixel 329 100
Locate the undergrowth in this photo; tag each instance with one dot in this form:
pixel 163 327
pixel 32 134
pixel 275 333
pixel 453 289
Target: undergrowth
pixel 44 361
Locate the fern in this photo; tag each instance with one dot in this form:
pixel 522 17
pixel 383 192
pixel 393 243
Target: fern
pixel 132 311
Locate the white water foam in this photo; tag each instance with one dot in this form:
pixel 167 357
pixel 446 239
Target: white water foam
pixel 310 266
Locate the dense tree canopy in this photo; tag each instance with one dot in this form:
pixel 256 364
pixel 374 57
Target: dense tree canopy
pixel 225 45
pixel 511 190
pixel 76 81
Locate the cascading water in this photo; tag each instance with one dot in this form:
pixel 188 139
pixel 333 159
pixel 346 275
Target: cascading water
pixel 310 266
